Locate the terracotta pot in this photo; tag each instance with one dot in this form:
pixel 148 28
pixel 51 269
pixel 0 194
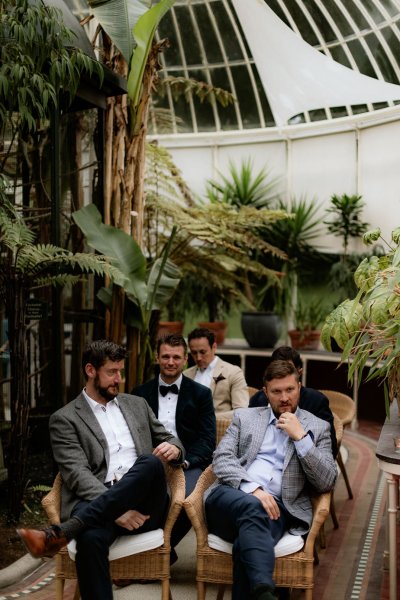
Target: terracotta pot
pixel 218 328
pixel 305 340
pixel 165 327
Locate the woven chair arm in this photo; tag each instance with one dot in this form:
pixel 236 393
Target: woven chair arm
pixel 51 502
pixel 321 505
pixel 176 484
pixel 194 506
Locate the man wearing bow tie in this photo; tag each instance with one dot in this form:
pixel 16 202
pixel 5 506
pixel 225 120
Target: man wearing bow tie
pixel 226 382
pixel 186 410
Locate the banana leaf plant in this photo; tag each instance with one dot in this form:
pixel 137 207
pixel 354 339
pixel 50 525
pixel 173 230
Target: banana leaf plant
pixel 367 327
pixel 147 289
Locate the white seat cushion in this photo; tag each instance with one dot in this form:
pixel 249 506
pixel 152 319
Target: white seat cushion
pixel 288 544
pixel 125 545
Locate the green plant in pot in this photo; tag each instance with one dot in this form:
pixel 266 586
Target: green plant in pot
pixel 308 318
pixel 367 327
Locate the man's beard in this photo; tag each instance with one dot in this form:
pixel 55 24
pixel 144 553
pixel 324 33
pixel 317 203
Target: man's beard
pixel 103 391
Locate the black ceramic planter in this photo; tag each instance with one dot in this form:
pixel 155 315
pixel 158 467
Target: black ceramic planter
pixel 261 329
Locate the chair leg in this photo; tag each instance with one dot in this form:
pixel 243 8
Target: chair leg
pixel 77 594
pixel 308 594
pixel 332 510
pixel 322 538
pixel 60 588
pixel 221 591
pixel 201 590
pixel 165 590
pixel 344 473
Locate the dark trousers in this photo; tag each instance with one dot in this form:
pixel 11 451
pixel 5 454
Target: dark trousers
pixel 240 518
pixel 183 524
pixel 143 488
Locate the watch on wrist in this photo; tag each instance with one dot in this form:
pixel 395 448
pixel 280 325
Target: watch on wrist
pixel 186 464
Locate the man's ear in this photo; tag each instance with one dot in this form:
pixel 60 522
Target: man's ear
pixel 90 371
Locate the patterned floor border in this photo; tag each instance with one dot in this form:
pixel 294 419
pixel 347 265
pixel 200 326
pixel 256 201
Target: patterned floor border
pixel 359 580
pixel 29 590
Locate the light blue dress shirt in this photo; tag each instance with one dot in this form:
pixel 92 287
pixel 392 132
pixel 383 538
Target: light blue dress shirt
pixel 266 470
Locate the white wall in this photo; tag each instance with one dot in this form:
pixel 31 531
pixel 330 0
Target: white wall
pixel 352 155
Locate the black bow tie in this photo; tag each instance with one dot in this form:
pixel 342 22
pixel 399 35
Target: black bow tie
pixel 164 389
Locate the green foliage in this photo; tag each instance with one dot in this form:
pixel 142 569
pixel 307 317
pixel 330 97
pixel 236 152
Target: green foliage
pixel 295 236
pixel 367 328
pixel 143 32
pixel 346 218
pixel 185 86
pixel 148 287
pixel 309 314
pixel 37 62
pixel 243 188
pixel 33 265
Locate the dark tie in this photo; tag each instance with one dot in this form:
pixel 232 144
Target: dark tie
pixel 164 389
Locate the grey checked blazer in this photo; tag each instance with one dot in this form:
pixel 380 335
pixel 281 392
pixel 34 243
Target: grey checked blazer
pixel 315 472
pixel 81 450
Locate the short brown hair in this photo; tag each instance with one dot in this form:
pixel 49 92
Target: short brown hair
pixel 278 369
pixel 172 339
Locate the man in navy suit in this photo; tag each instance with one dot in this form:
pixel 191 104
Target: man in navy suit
pixel 185 408
pixel 312 400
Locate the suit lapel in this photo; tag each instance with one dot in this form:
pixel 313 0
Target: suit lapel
pixel 125 405
pixel 217 372
pixel 85 412
pixel 258 428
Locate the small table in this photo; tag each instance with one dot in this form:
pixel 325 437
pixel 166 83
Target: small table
pixel 389 463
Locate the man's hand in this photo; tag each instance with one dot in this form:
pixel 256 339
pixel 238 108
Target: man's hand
pixel 167 452
pixel 290 423
pixel 269 503
pixel 131 520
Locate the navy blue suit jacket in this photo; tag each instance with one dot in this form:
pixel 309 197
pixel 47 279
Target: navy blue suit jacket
pixel 194 418
pixel 312 400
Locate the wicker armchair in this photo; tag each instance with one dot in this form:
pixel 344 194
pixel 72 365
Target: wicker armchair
pixel 150 564
pixel 222 426
pixel 213 566
pixel 343 406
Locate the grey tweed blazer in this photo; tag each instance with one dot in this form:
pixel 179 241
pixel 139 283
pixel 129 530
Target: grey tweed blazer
pixel 314 473
pixel 81 450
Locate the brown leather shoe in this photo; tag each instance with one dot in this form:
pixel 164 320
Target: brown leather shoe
pixel 42 542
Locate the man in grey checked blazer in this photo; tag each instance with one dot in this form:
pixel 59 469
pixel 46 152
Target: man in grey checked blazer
pixel 268 463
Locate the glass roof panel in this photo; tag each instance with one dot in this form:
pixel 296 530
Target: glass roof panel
pixel 210 41
pixel 382 58
pixel 340 19
pixel 228 34
pixel 320 20
pixel 361 34
pixel 359 19
pixel 373 10
pixel 167 29
pixel 188 36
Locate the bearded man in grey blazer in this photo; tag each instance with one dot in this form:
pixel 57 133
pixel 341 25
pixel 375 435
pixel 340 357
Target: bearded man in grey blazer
pixel 109 448
pixel 267 464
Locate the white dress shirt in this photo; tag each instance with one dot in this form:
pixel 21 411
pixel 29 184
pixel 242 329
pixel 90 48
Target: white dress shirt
pixel 204 376
pixel 167 406
pixel 119 439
